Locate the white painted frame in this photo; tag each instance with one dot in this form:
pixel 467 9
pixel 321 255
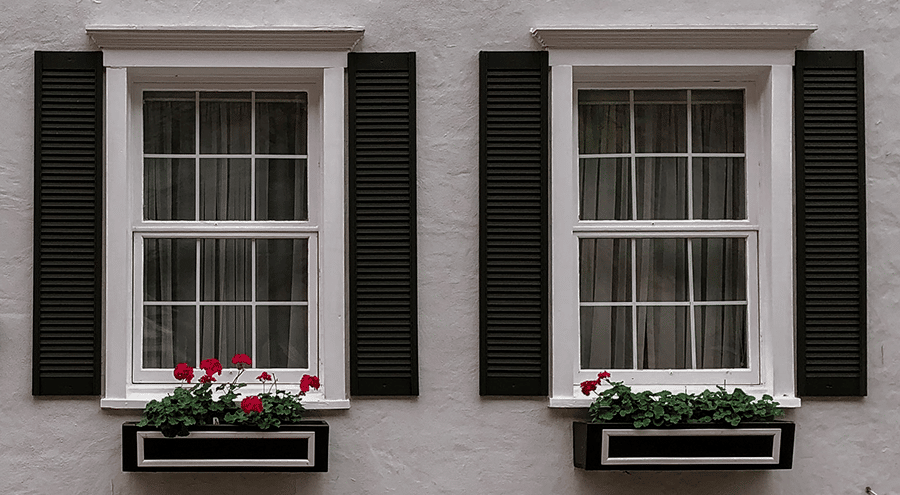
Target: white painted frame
pixel 126 66
pixel 773 458
pixel 769 70
pixel 304 459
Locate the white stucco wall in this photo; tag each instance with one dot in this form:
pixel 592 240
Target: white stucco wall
pixel 447 440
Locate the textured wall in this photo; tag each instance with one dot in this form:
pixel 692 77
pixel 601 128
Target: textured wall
pixel 448 440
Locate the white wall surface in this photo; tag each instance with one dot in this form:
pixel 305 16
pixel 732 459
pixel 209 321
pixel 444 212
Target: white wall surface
pixel 448 440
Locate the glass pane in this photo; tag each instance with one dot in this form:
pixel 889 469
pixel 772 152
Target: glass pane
pixel 720 269
pixel 662 273
pixel 225 270
pixel 603 122
pixel 281 189
pixel 721 336
pixel 605 270
pixel 225 189
pixel 169 122
pixel 169 336
pixel 225 122
pixel 169 188
pixel 170 269
pixel 281 123
pixel 282 269
pixel 282 339
pixel 663 337
pixel 660 121
pixel 717 121
pixel 720 191
pixel 225 331
pixel 606 341
pixel 605 185
pixel 662 192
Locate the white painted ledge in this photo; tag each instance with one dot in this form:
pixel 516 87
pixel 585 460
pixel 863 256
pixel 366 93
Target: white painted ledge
pixel 784 402
pixel 766 37
pixel 141 403
pixel 269 38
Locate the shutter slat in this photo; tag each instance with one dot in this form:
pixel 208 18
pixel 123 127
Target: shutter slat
pixel 67 242
pixel 383 334
pixel 514 223
pixel 831 238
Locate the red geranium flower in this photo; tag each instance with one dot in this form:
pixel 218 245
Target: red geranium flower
pixel 588 386
pixel 309 381
pixel 603 374
pixel 240 360
pixel 264 377
pixel 207 379
pixel 211 365
pixel 251 404
pixel 183 372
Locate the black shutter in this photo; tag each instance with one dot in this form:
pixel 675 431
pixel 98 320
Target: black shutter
pixel 68 90
pixel 831 224
pixel 383 319
pixel 514 223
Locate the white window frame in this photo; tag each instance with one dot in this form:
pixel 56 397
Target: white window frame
pixel 756 58
pixel 266 57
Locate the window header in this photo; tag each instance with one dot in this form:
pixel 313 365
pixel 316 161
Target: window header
pixel 276 38
pixel 767 37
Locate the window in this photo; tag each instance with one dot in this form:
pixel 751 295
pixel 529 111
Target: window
pixel 225 205
pixel 671 177
pixel 214 162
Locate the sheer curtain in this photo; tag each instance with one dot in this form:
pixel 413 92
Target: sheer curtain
pixel 217 296
pixel 667 301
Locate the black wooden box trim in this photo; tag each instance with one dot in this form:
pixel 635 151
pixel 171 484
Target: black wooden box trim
pixel 620 446
pixel 296 447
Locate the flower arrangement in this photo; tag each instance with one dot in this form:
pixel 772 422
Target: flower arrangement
pixel 196 405
pixel 619 403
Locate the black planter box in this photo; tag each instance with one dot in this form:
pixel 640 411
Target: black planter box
pixel 296 447
pixel 620 446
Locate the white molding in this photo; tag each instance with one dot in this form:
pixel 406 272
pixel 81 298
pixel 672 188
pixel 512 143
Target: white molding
pixel 138 404
pixel 254 38
pixel 673 37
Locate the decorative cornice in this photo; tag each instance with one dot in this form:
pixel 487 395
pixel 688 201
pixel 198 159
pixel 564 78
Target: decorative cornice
pixel 777 37
pixel 271 38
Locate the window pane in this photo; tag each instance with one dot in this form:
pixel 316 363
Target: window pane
pixel 663 337
pixel 281 123
pixel 169 119
pixel 169 188
pixel 169 336
pixel 662 273
pixel 281 189
pixel 225 331
pixel 603 122
pixel 282 339
pixel 225 270
pixel 662 192
pixel 225 189
pixel 170 269
pixel 721 336
pixel 720 191
pixel 720 272
pixel 225 123
pixel 606 341
pixel 282 269
pixel 660 121
pixel 605 188
pixel 605 270
pixel 717 121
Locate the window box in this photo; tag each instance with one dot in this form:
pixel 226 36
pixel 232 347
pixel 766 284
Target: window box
pixel 296 447
pixel 620 446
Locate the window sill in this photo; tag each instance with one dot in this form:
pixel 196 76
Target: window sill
pixel 139 400
pixel 581 401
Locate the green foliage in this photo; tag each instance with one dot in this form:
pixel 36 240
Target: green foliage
pixel 278 408
pixel 643 409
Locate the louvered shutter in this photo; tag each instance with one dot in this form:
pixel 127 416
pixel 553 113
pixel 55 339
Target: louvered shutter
pixel 382 223
pixel 514 223
pixel 67 222
pixel 831 222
